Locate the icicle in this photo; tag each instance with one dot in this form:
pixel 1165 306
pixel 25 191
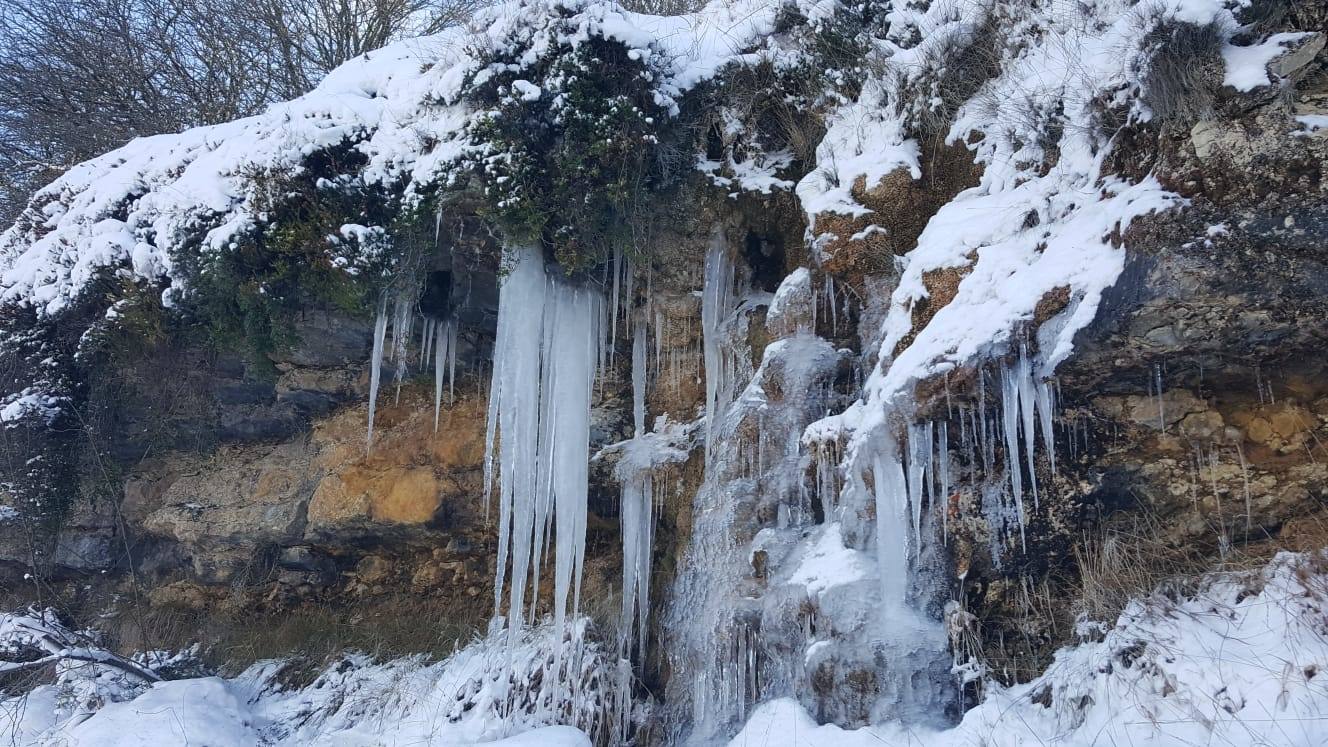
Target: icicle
pixel 514 409
pixel 949 404
pixel 984 441
pixel 570 340
pixel 1245 480
pixel 637 515
pixel 426 334
pixel 943 466
pixel 834 314
pixel 717 303
pixel 401 319
pixel 659 343
pixel 1046 404
pixel 1024 378
pixel 615 270
pixel 639 376
pixel 919 469
pixel 451 359
pixel 1010 427
pixel 893 544
pixel 539 418
pixel 1157 384
pixel 376 365
pixel 441 354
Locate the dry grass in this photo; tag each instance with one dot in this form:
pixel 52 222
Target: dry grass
pixel 1183 70
pixel 1137 561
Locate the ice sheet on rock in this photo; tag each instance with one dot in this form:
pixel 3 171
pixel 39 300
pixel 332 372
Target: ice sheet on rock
pixel 719 299
pixel 827 563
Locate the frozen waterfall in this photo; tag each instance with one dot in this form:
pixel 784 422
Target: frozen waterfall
pixel 538 433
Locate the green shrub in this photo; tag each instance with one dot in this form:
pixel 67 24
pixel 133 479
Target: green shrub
pixel 247 295
pixel 565 146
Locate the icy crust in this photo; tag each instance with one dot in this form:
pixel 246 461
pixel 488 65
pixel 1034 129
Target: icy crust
pixel 828 562
pixel 486 693
pixel 1242 661
pixel 132 208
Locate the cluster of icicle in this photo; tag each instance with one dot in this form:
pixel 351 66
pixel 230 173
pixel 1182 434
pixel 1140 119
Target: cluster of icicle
pixel 438 336
pixel 546 356
pixel 915 475
pixel 554 338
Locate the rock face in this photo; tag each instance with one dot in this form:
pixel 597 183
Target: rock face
pixel 323 497
pixel 1192 422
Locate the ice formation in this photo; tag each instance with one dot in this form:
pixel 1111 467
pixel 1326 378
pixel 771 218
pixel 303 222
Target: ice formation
pixel 638 509
pixel 444 361
pixel 1041 231
pixel 1237 662
pixel 376 366
pixel 718 300
pixel 538 432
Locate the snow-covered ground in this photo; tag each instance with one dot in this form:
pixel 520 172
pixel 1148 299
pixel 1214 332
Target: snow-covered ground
pixel 486 693
pixel 1244 661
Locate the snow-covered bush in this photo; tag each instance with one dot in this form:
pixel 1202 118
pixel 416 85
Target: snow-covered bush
pixel 305 252
pixel 564 140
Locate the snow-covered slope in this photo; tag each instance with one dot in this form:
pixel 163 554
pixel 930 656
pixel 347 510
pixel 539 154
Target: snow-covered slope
pixel 488 692
pixel 1240 662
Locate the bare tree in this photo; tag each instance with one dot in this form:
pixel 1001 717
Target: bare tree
pixel 78 79
pixel 314 36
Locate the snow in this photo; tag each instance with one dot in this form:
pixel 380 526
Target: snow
pixel 829 563
pixel 198 711
pixel 1247 67
pixel 793 299
pixel 486 693
pixel 863 140
pixel 759 173
pixel 1242 661
pixel 1312 123
pixel 135 207
pixel 1020 234
pixel 28 402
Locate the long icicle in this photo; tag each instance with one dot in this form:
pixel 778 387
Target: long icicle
pixel 376 366
pixel 441 354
